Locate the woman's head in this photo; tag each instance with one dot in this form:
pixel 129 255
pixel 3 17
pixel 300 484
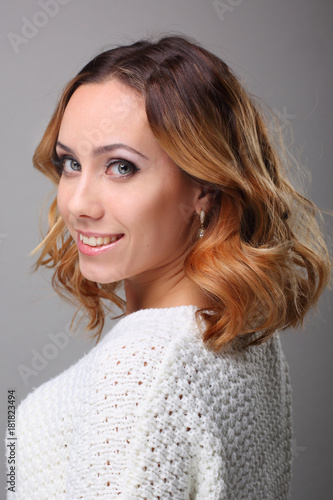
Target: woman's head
pixel 118 183
pixel 187 108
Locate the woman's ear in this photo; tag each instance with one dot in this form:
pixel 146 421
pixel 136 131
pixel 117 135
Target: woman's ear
pixel 204 199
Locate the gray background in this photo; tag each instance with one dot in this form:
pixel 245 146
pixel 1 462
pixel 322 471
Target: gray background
pixel 281 49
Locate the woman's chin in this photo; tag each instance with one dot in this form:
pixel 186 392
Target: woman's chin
pixel 98 276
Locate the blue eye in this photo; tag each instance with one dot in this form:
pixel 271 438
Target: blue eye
pixel 65 164
pixel 121 168
pixel 70 165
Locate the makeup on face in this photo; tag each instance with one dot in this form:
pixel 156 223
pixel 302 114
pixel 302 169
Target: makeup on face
pixel 125 202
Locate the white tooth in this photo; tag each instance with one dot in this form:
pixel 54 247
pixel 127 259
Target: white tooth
pixel 94 241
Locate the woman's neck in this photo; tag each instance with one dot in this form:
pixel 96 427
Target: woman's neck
pixel 168 287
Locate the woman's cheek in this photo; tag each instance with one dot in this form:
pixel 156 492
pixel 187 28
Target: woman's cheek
pixel 62 203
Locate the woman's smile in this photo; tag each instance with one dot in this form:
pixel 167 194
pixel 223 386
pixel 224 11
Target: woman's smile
pixel 96 245
pixel 98 240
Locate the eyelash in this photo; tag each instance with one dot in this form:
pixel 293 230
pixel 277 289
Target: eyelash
pixel 59 163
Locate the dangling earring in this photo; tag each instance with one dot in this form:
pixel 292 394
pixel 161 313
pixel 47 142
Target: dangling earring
pixel 201 231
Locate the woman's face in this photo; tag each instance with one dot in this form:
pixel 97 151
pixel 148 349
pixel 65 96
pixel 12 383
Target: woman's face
pixel 125 202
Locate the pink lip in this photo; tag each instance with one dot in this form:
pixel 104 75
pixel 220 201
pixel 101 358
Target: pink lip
pixel 92 251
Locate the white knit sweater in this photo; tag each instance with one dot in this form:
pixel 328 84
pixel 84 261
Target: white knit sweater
pixel 151 413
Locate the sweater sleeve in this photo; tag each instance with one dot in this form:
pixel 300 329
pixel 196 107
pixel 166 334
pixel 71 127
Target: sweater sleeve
pixel 177 453
pixel 214 427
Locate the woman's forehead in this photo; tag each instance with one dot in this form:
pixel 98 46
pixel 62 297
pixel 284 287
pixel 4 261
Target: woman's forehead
pixel 98 101
pixel 107 113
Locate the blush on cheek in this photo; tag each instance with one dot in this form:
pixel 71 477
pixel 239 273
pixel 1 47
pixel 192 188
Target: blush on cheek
pixel 61 199
pixel 62 206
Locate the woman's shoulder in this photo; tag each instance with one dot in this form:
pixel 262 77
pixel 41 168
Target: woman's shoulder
pixel 165 343
pixel 139 340
pixel 192 368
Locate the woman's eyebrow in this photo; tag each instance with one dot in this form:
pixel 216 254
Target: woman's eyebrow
pixel 104 149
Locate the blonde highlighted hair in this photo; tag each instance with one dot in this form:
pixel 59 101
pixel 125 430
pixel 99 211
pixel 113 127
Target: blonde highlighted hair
pixel 262 262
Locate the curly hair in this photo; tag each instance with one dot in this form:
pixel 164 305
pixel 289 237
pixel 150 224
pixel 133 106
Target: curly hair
pixel 262 262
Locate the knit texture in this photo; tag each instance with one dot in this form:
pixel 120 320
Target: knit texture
pixel 151 413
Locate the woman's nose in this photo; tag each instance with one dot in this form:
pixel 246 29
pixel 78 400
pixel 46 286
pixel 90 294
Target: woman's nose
pixel 85 199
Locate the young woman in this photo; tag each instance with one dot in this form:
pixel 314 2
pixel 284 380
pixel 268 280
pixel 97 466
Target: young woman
pixel 169 184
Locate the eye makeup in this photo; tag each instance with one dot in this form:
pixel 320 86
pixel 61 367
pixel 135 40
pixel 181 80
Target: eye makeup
pixel 117 168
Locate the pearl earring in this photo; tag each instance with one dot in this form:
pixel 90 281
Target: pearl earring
pixel 201 231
